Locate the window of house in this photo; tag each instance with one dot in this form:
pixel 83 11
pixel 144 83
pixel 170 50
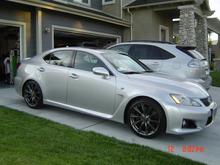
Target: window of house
pixel 163 33
pixel 85 2
pixel 60 58
pixel 149 52
pixel 108 2
pixel 85 61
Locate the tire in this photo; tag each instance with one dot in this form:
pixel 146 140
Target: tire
pixel 146 118
pixel 32 94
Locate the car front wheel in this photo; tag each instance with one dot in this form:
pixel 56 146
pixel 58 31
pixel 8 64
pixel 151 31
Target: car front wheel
pixel 146 118
pixel 33 95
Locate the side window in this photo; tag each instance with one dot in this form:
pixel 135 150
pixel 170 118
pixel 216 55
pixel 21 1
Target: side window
pixel 86 61
pixel 123 48
pixel 139 52
pixel 157 53
pixel 149 52
pixel 60 58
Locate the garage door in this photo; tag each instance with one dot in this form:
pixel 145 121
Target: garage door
pixel 9 36
pixel 90 40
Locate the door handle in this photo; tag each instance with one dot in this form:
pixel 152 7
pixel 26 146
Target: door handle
pixel 74 76
pixel 41 69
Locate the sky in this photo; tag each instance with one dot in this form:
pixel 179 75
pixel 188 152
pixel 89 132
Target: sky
pixel 215 5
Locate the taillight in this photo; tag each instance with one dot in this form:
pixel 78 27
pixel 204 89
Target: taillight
pixel 194 63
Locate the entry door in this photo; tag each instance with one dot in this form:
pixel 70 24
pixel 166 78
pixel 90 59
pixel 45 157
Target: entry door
pixel 87 90
pixel 54 74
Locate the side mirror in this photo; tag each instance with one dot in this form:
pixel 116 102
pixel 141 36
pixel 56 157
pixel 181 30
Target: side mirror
pixel 101 71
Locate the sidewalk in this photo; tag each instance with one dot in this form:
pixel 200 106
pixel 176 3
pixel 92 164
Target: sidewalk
pixel 209 138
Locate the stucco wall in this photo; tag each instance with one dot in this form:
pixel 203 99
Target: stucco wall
pixel 50 18
pixel 21 13
pixel 146 24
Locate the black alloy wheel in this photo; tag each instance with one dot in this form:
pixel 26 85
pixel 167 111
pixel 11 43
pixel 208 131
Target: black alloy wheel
pixel 146 118
pixel 33 95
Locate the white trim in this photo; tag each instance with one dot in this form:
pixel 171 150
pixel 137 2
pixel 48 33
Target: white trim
pixel 162 27
pixel 22 35
pixel 81 31
pixel 39 31
pixel 108 3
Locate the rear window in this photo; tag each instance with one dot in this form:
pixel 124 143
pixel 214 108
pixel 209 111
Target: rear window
pixel 191 52
pixel 149 52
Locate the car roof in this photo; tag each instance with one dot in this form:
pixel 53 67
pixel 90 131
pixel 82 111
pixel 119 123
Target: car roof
pixel 155 43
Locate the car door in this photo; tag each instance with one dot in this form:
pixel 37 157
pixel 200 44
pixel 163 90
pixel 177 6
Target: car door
pixel 93 93
pixel 54 74
pixel 147 54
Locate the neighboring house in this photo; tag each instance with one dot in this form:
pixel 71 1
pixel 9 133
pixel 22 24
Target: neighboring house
pixel 214 26
pixel 40 25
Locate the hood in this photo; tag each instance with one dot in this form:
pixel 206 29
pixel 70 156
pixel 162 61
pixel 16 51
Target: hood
pixel 171 84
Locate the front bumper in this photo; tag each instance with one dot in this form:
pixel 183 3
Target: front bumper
pixel 201 117
pixel 18 85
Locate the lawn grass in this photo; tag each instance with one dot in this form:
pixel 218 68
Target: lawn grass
pixel 215 78
pixel 29 140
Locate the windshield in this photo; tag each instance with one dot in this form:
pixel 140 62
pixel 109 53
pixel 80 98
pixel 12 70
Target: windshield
pixel 124 64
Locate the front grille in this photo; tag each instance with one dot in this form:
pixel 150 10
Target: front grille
pixel 206 101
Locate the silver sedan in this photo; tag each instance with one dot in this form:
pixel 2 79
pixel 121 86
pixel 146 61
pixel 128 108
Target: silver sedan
pixel 113 86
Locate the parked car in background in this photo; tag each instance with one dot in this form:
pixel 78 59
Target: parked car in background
pixel 113 86
pixel 167 58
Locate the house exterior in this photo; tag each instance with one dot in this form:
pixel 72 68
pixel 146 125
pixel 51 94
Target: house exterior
pixel 45 24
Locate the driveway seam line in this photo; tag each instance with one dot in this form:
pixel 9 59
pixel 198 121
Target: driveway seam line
pixel 100 122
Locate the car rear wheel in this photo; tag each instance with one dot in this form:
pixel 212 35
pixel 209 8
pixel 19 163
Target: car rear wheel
pixel 146 118
pixel 33 95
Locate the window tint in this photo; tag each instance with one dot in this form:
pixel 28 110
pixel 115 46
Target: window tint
pixel 60 58
pixel 149 52
pixel 86 61
pixel 123 48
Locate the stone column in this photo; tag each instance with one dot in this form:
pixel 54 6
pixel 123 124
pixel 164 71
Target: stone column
pixel 202 35
pixel 187 33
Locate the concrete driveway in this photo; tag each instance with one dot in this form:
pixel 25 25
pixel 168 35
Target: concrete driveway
pixel 209 138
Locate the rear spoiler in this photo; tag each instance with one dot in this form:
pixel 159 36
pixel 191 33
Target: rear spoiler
pixel 186 47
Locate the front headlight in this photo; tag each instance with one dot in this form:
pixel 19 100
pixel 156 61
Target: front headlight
pixel 183 100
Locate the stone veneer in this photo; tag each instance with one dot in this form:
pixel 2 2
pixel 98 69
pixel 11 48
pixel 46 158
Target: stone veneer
pixel 202 35
pixel 193 29
pixel 187 33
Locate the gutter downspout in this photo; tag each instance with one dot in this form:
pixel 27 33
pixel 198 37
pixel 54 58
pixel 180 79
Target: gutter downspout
pixel 121 10
pixel 131 19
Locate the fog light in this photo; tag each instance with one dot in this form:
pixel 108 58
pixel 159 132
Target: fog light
pixel 190 124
